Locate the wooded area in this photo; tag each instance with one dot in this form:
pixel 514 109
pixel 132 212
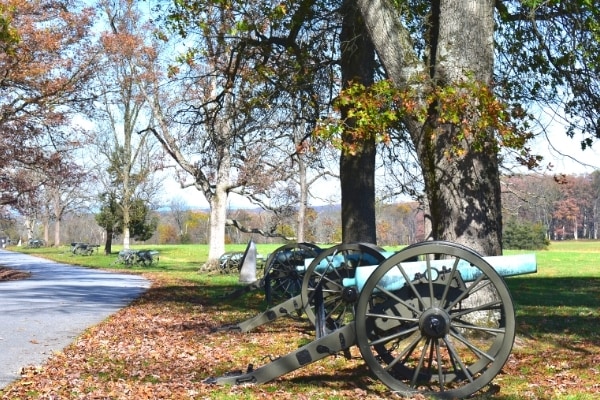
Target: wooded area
pixel 100 101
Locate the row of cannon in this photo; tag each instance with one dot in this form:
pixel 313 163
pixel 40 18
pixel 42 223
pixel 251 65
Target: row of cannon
pixel 435 318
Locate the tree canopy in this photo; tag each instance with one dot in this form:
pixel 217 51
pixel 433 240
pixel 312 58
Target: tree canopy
pixel 460 86
pixel 45 58
pixel 548 57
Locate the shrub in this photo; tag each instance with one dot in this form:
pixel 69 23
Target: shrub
pixel 524 236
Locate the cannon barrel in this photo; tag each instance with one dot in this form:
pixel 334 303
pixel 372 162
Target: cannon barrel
pixel 338 260
pixel 504 265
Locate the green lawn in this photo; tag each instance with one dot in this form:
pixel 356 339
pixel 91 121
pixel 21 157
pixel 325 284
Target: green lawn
pixel 555 356
pixel 564 295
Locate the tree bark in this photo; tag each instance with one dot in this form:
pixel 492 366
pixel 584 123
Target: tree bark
pixel 357 170
pixel 463 191
pixel 217 200
pixel 108 242
pixel 57 232
pixel 301 217
pixel 218 217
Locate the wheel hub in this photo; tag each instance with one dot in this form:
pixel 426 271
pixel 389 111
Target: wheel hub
pixel 434 323
pixel 350 294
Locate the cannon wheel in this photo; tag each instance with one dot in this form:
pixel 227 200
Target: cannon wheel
pixel 230 262
pixel 283 280
pixel 338 301
pixel 438 334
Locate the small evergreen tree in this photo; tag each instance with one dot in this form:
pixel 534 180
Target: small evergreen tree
pixel 141 225
pixel 108 218
pixel 524 236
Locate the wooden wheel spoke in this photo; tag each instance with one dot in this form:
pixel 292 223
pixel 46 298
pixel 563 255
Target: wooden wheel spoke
pixel 455 357
pixel 441 376
pixel 421 362
pixel 448 284
pixel 472 347
pixel 394 336
pixel 485 329
pixel 404 354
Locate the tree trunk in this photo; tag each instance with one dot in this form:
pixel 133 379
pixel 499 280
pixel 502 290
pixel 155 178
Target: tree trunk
pixel 463 191
pixel 46 225
pixel 301 218
pixel 58 212
pixel 357 170
pixel 464 198
pixel 57 232
pixel 29 225
pixel 127 195
pixel 218 216
pixel 126 235
pixel 218 206
pixel 108 242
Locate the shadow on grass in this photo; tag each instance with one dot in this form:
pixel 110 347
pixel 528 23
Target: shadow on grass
pixel 212 296
pixel 563 305
pixel 543 305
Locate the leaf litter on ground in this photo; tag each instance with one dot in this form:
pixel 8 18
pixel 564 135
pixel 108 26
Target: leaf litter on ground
pixel 164 345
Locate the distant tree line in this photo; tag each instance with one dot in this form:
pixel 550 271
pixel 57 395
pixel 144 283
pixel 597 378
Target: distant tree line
pixel 401 223
pixel 564 206
pixel 536 208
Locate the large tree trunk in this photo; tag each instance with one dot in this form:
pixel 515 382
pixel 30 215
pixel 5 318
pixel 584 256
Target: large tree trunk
pixel 357 170
pixel 126 236
pixel 29 223
pixel 58 212
pixel 463 190
pixel 46 226
pixel 218 217
pixel 217 200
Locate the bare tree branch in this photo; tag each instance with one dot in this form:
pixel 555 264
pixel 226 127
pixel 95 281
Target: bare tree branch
pixel 242 228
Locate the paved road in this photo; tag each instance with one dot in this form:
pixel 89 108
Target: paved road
pixel 46 312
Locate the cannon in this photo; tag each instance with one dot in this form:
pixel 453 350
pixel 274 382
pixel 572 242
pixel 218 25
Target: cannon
pixel 142 258
pixel 291 281
pixel 84 249
pixel 435 319
pixel 282 280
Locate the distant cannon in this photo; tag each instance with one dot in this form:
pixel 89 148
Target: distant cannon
pixel 435 318
pixel 83 249
pixel 144 258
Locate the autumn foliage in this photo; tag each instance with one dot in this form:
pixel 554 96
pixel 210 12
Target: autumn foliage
pixel 469 106
pixel 45 63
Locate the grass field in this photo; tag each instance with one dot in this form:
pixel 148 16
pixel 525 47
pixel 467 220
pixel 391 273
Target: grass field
pixel 556 354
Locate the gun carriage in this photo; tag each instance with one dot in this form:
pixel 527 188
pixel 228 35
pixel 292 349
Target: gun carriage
pixel 143 258
pixel 84 249
pixel 435 318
